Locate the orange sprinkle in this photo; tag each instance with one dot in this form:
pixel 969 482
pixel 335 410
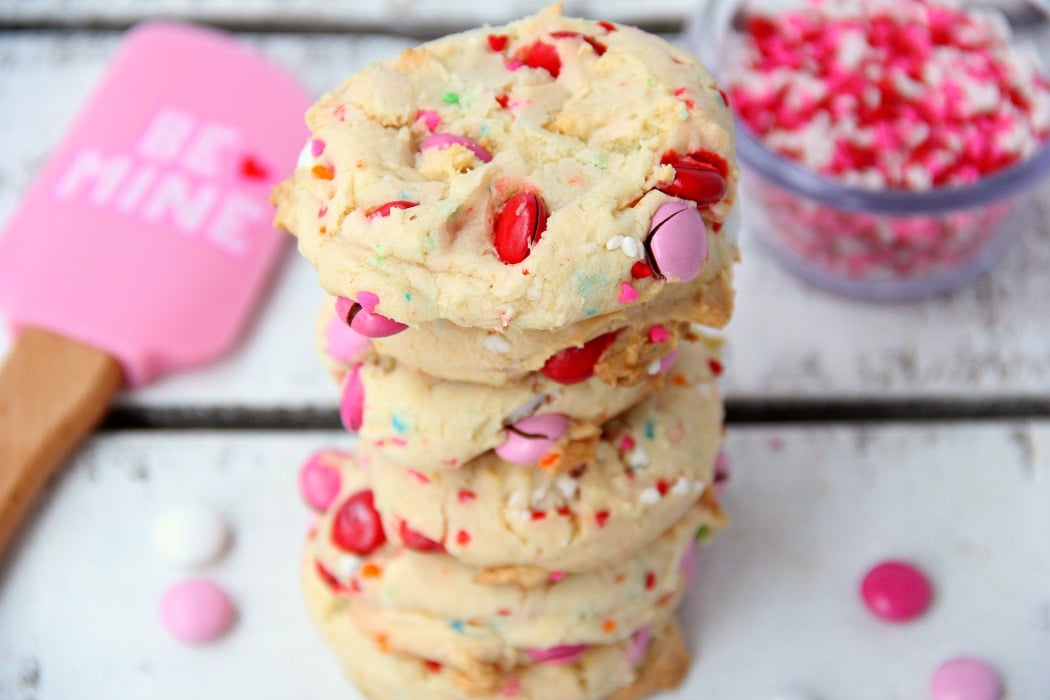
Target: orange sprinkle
pixel 323 172
pixel 620 578
pixel 679 380
pixel 324 230
pixel 548 460
pixel 382 643
pixel 608 625
pixel 371 570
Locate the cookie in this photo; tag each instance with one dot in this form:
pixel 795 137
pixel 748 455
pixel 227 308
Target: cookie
pixel 428 424
pixel 646 470
pixel 426 603
pixel 597 673
pixel 525 177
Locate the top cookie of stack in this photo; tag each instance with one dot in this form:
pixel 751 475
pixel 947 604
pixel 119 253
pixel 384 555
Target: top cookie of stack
pixel 556 172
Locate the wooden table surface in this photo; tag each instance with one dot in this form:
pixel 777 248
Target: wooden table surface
pixel 858 431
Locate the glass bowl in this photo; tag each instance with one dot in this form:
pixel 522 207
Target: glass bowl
pixel 881 244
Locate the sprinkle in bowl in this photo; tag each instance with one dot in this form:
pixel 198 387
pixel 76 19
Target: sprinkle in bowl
pixel 884 143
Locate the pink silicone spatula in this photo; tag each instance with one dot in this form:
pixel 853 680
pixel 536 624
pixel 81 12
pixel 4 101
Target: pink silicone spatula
pixel 145 242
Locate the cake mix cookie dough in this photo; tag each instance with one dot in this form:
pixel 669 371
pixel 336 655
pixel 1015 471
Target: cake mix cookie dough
pixel 428 424
pixel 648 661
pixel 646 470
pixel 525 177
pixel 427 604
pixel 619 347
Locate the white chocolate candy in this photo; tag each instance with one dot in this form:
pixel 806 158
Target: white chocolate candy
pixel 190 535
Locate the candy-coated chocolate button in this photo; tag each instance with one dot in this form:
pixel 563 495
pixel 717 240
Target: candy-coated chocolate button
pixel 352 404
pixel 357 527
pixel 196 611
pixel 419 542
pixel 700 177
pixel 896 591
pixel 530 438
pixel 343 343
pixel 965 678
pixel 520 223
pixel 190 535
pixel 443 141
pixel 556 656
pixel 677 242
pixel 574 365
pixel 319 481
pixel 383 210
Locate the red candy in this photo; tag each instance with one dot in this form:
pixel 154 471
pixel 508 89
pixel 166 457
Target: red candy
pixel 519 225
pixel 541 55
pixel 384 209
pixel 896 591
pixel 599 47
pixel 641 270
pixel 497 42
pixel 413 540
pixel 699 176
pixel 574 365
pixel 357 527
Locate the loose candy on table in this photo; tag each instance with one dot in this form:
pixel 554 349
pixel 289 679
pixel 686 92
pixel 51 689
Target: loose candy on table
pixel 530 438
pixel 190 535
pixel 965 678
pixel 677 243
pixel 319 480
pixel 575 365
pixel 352 403
pixel 896 591
pixel 519 225
pixel 196 611
pixel 361 317
pixel 357 527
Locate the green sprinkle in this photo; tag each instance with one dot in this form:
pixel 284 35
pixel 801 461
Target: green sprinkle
pixel 650 430
pixel 650 82
pixel 684 115
pixel 457 625
pixel 408 297
pixel 703 534
pixel 601 161
pixel 450 98
pixel 398 423
pixel 591 312
pixel 378 260
pixel 484 130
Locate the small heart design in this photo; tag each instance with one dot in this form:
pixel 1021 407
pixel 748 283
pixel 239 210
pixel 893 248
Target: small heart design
pixel 251 169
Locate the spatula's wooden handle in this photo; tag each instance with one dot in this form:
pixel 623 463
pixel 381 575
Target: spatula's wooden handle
pixel 53 391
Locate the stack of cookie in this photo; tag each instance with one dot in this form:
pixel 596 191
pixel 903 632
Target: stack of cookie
pixel 521 230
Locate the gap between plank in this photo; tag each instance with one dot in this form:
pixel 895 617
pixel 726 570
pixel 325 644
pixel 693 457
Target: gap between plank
pixel 277 25
pixel 738 412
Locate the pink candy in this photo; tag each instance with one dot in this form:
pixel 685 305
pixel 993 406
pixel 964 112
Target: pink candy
pixel 965 678
pixel 343 343
pixel 896 591
pixel 442 141
pixel 352 405
pixel 638 646
pixel 361 316
pixel 196 611
pixel 319 482
pixel 677 242
pixel 557 656
pixel 530 438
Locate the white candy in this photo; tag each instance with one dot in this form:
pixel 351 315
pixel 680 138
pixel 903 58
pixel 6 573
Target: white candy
pixel 190 535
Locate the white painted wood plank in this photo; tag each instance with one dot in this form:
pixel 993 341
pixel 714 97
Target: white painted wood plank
pixel 396 15
pixel 787 340
pixel 774 605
